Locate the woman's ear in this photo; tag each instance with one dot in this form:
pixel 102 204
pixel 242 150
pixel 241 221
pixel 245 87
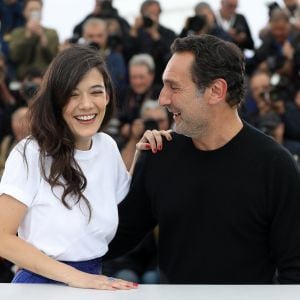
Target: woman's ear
pixel 218 90
pixel 107 99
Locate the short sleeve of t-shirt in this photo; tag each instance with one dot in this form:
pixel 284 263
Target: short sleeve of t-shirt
pixel 21 176
pixel 121 176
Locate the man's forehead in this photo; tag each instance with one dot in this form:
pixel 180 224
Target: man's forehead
pixel 178 68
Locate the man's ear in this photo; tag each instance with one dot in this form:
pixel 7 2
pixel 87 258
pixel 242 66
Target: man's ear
pixel 218 91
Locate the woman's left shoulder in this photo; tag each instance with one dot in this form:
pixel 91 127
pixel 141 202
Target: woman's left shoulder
pixel 102 138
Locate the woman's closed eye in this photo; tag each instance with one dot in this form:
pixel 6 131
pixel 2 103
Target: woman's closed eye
pixel 98 92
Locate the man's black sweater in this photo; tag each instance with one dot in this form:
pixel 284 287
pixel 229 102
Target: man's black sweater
pixel 228 216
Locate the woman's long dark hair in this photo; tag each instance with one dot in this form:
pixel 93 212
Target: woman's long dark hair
pixel 48 127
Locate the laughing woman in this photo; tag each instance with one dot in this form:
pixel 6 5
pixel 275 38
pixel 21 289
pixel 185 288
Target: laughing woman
pixel 61 186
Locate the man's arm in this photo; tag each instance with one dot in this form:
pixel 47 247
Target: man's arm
pixel 284 206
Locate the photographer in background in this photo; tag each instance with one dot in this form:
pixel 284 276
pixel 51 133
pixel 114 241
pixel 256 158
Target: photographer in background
pixel 277 52
pixel 141 69
pixel 234 24
pixel 32 45
pixel 147 35
pixel 152 117
pixel 103 9
pixel 95 34
pixel 270 95
pixel 204 22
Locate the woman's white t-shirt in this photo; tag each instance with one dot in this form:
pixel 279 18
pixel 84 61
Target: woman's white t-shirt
pixel 67 234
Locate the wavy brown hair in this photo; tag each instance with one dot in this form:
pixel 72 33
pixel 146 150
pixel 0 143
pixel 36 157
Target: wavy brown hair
pixel 48 127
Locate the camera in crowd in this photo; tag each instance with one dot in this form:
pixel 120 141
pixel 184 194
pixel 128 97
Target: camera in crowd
pixel 195 24
pixel 150 124
pixel 275 62
pixel 29 90
pixel 279 90
pixel 147 22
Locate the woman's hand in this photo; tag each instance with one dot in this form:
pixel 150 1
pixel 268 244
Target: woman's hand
pixel 100 282
pixel 152 140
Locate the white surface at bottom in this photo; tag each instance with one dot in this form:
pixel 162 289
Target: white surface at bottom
pixel 152 292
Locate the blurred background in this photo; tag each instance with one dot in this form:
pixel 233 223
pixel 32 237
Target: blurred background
pixel 173 16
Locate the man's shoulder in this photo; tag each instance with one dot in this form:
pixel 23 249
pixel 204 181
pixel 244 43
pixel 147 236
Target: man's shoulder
pixel 178 141
pixel 171 150
pixel 265 145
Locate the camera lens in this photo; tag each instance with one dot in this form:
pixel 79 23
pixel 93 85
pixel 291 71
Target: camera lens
pixel 147 22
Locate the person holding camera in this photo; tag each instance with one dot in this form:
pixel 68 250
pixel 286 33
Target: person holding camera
pixel 147 35
pixel 95 34
pixel 103 9
pixel 33 44
pixel 279 47
pixel 270 98
pixel 151 117
pixel 235 24
pixel 141 71
pixel 204 22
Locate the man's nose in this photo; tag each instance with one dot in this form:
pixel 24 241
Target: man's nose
pixel 164 98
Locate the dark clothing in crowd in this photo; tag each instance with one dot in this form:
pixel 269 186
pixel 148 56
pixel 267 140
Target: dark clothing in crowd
pixel 129 102
pixel 124 25
pixel 159 49
pixel 291 119
pixel 240 24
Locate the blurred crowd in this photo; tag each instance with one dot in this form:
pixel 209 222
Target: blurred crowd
pixel 136 55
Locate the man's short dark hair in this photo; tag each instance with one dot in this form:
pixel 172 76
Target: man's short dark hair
pixel 215 58
pixel 147 3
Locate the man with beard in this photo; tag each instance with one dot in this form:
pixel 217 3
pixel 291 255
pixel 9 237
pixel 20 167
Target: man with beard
pixel 225 196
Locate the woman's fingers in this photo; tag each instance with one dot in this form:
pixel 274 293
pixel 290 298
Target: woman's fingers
pixel 101 282
pixel 122 284
pixel 152 140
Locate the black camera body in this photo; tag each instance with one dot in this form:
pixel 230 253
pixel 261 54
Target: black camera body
pixel 147 22
pixel 196 23
pixel 29 90
pixel 279 90
pixel 150 124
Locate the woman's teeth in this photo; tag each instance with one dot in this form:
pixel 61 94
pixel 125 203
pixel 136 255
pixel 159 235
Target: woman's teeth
pixel 86 118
